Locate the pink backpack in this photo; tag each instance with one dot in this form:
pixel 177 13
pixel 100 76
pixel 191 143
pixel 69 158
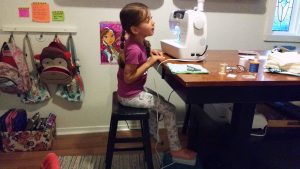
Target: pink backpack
pixel 14 74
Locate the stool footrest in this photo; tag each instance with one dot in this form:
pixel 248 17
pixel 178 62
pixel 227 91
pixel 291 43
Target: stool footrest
pixel 129 149
pixel 129 140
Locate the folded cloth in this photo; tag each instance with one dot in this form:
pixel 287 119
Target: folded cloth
pixel 285 58
pixel 287 62
pixel 186 68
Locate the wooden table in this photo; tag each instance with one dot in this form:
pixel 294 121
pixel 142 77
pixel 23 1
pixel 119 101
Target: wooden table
pixel 244 93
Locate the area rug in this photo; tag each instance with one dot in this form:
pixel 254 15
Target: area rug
pixel 121 161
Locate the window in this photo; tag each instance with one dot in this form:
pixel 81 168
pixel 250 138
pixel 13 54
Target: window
pixel 282 16
pixel 282 23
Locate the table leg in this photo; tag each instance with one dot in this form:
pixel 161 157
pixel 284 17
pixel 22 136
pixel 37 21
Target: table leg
pixel 186 118
pixel 241 122
pixel 232 151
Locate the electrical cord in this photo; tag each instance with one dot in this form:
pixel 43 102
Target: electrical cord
pixel 168 165
pixel 127 125
pixel 157 130
pixel 170 95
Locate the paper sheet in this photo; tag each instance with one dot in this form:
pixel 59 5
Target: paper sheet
pixel 23 12
pixel 40 12
pixel 58 16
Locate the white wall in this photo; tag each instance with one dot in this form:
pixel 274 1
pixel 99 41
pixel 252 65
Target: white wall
pixel 232 24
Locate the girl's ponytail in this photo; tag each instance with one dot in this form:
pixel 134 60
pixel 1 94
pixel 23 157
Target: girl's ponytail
pixel 121 58
pixel 148 48
pixel 122 39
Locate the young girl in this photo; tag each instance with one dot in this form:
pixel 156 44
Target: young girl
pixel 137 24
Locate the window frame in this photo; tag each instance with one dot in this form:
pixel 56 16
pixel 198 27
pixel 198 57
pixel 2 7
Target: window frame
pixel 293 35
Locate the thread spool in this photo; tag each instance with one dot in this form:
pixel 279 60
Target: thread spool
pixel 244 62
pixel 262 63
pixel 223 67
pixel 254 65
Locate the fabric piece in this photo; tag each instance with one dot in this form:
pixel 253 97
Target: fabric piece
pixel 186 69
pixel 160 105
pixel 284 62
pixel 281 71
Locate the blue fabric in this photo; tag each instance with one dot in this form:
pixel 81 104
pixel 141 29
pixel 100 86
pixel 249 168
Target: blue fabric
pixel 167 159
pixel 20 121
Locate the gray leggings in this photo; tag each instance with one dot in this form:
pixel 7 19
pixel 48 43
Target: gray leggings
pixel 156 104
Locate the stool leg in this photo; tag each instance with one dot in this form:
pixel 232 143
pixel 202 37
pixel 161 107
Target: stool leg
pixel 111 142
pixel 147 145
pixel 143 135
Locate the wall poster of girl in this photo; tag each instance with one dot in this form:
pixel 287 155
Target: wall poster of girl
pixel 110 34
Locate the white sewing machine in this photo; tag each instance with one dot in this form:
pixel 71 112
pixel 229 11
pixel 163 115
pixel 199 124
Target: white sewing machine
pixel 190 28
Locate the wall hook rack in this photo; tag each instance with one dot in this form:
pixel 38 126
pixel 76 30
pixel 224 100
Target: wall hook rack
pixel 39 29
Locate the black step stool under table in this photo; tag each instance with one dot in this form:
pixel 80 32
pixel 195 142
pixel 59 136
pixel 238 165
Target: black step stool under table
pixel 122 113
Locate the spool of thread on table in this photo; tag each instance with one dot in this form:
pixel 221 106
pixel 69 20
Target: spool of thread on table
pixel 254 65
pixel 223 67
pixel 244 62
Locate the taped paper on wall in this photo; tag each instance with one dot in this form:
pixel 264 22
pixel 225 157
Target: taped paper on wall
pixel 23 12
pixel 40 12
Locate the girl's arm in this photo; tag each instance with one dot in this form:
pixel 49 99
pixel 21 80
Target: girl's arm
pixel 132 72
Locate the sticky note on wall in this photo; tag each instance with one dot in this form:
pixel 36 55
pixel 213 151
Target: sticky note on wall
pixel 40 12
pixel 58 16
pixel 23 12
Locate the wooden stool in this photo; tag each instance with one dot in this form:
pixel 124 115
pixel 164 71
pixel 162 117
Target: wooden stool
pixel 121 113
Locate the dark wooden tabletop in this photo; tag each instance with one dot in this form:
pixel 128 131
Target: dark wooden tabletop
pixel 212 63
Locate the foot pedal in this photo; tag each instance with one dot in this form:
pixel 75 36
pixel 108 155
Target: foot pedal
pixel 178 164
pixel 191 162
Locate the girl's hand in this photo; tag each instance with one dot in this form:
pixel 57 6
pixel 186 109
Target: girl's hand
pixel 155 52
pixel 154 58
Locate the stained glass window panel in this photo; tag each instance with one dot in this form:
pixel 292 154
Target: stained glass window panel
pixel 282 17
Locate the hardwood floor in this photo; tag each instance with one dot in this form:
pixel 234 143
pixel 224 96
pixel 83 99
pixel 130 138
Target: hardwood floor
pixel 83 144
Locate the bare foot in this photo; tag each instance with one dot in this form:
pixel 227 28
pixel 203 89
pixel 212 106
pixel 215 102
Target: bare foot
pixel 184 154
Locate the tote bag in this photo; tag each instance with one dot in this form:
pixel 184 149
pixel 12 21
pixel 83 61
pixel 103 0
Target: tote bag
pixel 39 91
pixel 74 91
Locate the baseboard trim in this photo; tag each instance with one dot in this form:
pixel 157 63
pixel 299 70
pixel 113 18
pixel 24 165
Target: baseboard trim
pixel 86 130
pixel 98 129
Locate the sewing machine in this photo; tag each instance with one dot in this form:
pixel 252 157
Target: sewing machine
pixel 190 28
